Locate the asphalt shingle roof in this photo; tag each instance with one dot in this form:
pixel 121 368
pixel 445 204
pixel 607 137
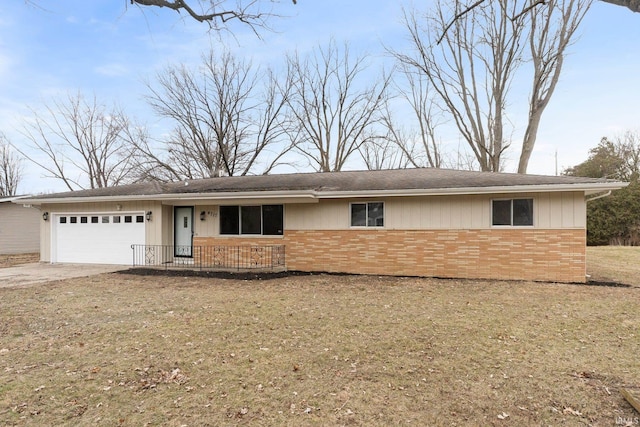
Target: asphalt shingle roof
pixel 348 181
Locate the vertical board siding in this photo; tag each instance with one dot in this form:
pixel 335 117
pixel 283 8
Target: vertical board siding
pixel 551 210
pixel 19 229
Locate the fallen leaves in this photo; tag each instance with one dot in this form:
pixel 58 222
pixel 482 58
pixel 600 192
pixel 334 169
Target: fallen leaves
pixel 571 411
pixel 161 377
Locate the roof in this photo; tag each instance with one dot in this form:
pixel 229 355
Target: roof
pixel 9 199
pixel 395 182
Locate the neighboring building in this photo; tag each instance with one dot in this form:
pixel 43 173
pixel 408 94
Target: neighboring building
pixel 419 222
pixel 19 227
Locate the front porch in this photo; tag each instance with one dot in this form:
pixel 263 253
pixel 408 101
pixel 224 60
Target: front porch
pixel 218 257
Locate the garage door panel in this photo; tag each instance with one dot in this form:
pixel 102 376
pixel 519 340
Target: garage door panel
pixel 97 239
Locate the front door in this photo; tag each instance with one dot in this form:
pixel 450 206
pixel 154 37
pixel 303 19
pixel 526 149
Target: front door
pixel 183 231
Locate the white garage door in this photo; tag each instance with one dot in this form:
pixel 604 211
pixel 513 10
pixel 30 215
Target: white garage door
pixel 96 239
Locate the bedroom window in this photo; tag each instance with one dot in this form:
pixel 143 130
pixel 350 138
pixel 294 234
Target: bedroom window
pixel 266 220
pixel 369 214
pixel 512 212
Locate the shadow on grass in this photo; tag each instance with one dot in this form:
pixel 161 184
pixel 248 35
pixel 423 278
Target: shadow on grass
pixel 270 275
pixel 608 284
pixel 234 275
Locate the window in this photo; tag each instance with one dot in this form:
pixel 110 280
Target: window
pixel 127 218
pixel 139 218
pixel 272 220
pixel 83 219
pixel 94 220
pixel 367 214
pixel 267 220
pixel 105 219
pixel 515 212
pixel 116 219
pixel 229 220
pixel 63 220
pixel 250 220
pixel 73 219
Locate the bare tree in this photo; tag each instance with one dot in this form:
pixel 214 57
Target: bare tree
pixel 229 118
pixel 419 146
pixel 219 13
pixel 632 5
pixel 552 30
pixel 83 142
pixel 382 153
pixel 335 110
pixel 471 70
pixel 10 169
pixel 472 61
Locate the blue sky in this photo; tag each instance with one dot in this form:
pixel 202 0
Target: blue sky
pixel 109 48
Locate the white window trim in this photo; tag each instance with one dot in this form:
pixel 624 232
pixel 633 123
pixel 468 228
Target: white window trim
pixel 366 203
pixel 533 216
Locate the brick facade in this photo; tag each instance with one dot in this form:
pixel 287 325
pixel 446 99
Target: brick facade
pixel 520 254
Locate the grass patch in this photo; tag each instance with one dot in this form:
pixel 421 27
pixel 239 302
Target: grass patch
pixel 619 264
pixel 11 260
pixel 120 349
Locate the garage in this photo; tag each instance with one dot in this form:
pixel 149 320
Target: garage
pixel 96 239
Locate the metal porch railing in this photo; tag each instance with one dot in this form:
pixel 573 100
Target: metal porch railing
pixel 224 257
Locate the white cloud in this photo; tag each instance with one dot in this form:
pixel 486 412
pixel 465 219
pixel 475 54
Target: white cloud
pixel 112 70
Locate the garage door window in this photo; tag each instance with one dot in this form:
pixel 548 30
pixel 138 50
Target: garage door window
pixel 94 220
pixel 63 220
pixel 73 219
pixel 139 218
pixel 127 218
pixel 116 219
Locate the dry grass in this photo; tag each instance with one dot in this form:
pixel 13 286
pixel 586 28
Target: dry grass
pixel 17 259
pixel 614 263
pixel 118 349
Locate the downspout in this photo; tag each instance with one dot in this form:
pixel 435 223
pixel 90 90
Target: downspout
pixel 598 196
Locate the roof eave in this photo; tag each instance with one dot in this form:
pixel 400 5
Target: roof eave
pixel 205 197
pixel 589 188
pixel 309 196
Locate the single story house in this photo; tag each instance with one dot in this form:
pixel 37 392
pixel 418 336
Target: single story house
pixel 418 222
pixel 19 227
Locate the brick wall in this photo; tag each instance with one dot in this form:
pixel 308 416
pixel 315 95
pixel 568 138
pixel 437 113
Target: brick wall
pixel 521 254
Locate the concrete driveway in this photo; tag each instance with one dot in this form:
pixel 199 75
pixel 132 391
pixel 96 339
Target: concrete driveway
pixel 29 274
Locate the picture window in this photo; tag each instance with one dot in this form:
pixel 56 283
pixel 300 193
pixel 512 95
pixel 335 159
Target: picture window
pixel 266 220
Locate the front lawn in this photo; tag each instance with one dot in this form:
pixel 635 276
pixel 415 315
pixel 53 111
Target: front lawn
pixel 119 349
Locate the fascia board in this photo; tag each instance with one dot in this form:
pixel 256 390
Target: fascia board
pixel 297 196
pixel 514 189
pixel 312 196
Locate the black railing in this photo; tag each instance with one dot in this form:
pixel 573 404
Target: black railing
pixel 247 257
